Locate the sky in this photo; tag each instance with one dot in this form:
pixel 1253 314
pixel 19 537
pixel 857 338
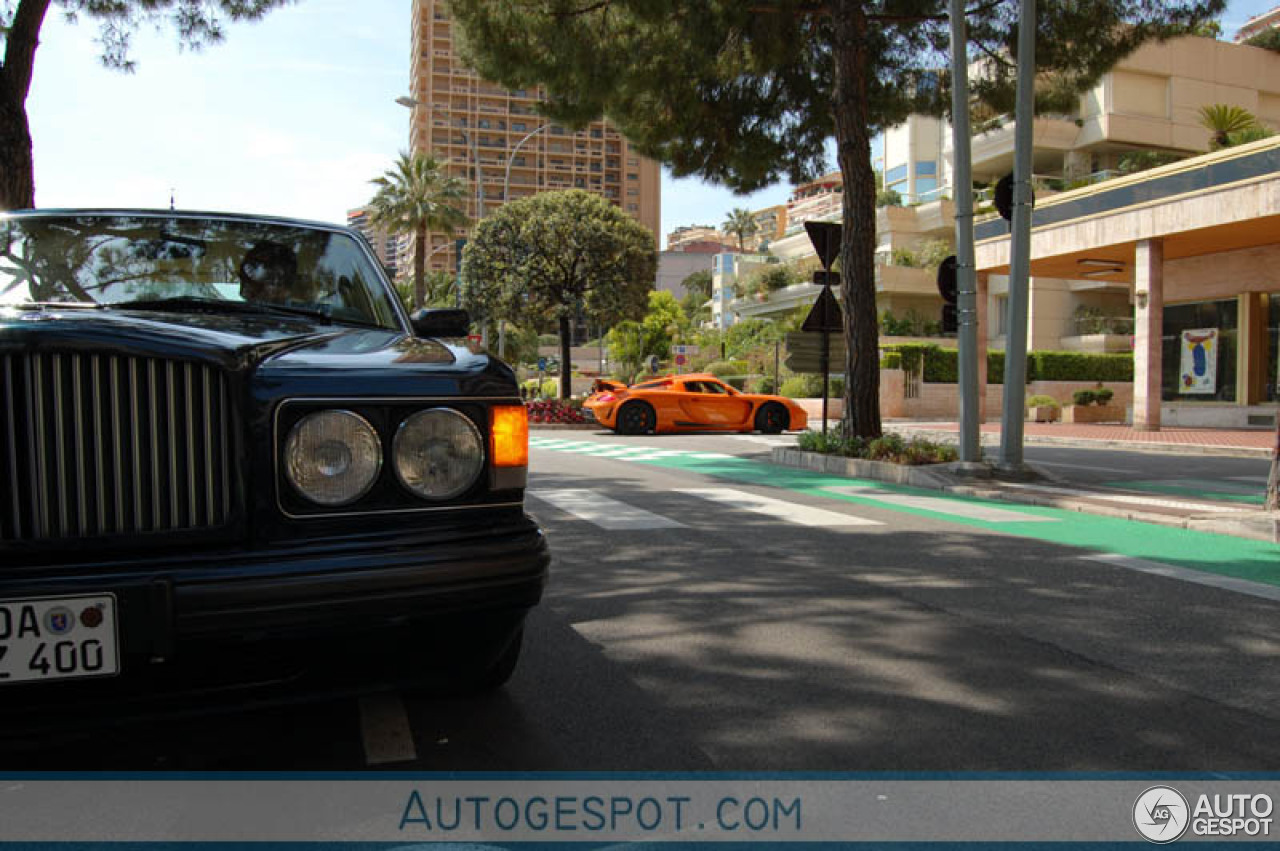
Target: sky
pixel 293 116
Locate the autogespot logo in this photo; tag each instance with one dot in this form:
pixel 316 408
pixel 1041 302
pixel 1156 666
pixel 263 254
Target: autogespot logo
pixel 1160 814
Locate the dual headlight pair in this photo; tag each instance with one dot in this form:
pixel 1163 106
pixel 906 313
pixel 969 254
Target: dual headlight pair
pixel 334 457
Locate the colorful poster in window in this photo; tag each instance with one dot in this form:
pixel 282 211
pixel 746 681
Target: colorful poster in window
pixel 1199 361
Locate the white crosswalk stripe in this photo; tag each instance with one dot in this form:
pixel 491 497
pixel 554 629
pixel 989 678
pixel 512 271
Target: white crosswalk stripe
pixel 805 515
pixel 606 513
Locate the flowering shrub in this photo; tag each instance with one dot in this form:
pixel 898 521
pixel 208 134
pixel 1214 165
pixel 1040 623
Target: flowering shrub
pixel 555 411
pixel 891 447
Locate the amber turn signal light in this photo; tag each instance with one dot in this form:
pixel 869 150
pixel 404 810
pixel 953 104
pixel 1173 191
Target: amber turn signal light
pixel 509 436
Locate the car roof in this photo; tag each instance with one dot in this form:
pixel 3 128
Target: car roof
pixel 256 218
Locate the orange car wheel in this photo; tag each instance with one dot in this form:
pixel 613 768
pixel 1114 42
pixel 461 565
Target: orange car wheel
pixel 636 418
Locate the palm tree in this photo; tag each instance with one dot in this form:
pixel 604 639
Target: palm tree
pixel 414 197
pixel 1224 120
pixel 741 223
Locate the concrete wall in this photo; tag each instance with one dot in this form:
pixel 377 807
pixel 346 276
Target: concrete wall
pixel 942 401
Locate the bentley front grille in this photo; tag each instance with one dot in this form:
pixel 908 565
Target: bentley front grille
pixel 96 445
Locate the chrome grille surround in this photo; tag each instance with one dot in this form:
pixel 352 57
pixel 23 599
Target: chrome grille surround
pixel 97 445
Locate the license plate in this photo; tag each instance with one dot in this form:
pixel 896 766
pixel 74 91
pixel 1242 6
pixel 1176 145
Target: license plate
pixel 58 638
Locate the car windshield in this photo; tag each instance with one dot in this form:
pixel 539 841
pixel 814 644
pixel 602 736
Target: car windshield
pixel 186 263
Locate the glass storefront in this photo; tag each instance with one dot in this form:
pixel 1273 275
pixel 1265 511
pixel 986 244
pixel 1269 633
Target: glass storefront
pixel 1199 351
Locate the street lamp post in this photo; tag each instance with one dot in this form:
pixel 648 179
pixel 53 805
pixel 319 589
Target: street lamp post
pixel 469 140
pixel 506 180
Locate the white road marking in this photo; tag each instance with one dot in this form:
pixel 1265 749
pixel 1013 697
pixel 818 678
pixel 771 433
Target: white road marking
pixel 658 454
pixel 603 512
pixel 384 727
pixel 952 507
pixel 767 441
pixel 791 512
pixel 1130 500
pixel 711 456
pixel 1225 583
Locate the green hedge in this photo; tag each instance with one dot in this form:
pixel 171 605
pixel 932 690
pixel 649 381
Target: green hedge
pixel 942 366
pixel 809 386
pixel 1078 366
pixel 725 368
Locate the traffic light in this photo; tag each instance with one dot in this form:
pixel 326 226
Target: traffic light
pixel 950 324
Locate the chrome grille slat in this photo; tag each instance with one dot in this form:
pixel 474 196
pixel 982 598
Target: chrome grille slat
pixel 98 460
pixel 10 399
pixel 40 481
pixel 99 444
pixel 77 418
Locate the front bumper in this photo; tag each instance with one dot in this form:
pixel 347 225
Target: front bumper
pixel 218 619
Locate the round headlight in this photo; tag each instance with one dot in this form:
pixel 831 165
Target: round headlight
pixel 438 453
pixel 332 457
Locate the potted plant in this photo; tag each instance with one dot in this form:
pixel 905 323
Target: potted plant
pixel 1093 406
pixel 1043 409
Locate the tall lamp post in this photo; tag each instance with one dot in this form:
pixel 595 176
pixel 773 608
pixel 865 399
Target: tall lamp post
pixel 468 139
pixel 506 180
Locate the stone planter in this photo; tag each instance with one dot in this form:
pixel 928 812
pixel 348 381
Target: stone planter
pixel 1042 414
pixel 1093 414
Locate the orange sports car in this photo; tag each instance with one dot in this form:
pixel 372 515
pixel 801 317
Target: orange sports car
pixel 694 402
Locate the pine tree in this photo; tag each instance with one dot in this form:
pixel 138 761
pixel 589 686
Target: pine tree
pixel 747 92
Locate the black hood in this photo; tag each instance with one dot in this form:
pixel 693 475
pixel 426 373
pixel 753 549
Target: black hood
pixel 274 349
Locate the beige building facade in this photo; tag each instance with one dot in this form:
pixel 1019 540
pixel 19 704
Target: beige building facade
pixel 1189 254
pixel 496 142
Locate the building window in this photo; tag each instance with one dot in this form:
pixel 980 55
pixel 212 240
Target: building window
pixel 926 169
pixel 895 174
pixel 633 176
pixel 519 126
pixel 924 185
pixel 1198 352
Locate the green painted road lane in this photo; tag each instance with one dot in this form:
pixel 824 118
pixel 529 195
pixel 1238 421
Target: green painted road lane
pixel 1224 555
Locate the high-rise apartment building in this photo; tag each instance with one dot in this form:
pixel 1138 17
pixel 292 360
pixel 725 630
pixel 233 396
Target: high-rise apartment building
pixel 496 142
pixel 385 245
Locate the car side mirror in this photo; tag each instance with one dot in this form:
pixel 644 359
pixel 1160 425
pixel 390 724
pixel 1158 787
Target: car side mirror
pixel 441 322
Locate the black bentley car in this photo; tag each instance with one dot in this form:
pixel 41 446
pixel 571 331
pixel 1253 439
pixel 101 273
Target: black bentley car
pixel 226 452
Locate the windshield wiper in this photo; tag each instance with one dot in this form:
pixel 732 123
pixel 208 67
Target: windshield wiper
pixel 54 305
pixel 216 305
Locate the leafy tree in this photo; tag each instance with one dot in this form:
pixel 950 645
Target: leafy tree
pixel 697 291
pixel 414 197
pixel 747 92
pixel 626 347
pixel 195 24
pixel 558 256
pixel 698 284
pixel 1267 39
pixel 439 288
pixel 1225 120
pixel 663 324
pixel 741 224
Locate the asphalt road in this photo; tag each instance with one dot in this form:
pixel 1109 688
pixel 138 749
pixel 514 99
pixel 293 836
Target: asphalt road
pixel 717 613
